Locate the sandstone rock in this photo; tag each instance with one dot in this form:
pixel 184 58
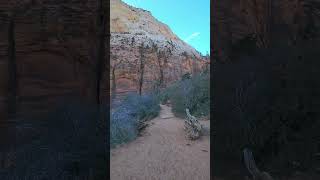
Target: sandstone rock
pixel 54 43
pixel 130 28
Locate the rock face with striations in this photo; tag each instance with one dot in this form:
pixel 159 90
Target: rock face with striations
pixel 54 53
pixel 265 21
pixel 144 49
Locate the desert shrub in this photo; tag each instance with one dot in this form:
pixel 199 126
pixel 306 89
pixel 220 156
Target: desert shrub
pixel 186 76
pixel 165 94
pixel 144 107
pixel 125 117
pixel 192 93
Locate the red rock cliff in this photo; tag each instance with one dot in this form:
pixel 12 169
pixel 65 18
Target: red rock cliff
pixel 54 45
pixel 164 55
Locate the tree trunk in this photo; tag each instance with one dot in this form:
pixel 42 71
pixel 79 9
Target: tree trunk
pixel 114 85
pixel 160 71
pixel 141 70
pixel 141 77
pixel 12 66
pixel 161 77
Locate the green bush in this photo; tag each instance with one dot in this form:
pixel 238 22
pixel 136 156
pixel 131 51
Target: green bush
pixel 192 93
pixel 165 95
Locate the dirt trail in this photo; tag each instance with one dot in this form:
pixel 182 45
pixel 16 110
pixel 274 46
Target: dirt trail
pixel 163 153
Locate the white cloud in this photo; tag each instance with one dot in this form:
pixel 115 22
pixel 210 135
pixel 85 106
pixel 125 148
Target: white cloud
pixel 192 36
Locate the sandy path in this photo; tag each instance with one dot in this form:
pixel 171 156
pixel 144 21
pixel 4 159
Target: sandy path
pixel 162 153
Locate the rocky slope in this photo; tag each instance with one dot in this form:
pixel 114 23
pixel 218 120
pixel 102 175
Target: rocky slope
pixel 133 27
pixel 141 25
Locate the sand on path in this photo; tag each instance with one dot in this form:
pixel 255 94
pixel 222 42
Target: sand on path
pixel 162 152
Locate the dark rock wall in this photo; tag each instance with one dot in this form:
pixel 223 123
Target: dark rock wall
pixel 55 53
pixel 266 21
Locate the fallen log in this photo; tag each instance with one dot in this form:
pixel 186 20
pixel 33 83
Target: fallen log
pixel 252 167
pixel 192 126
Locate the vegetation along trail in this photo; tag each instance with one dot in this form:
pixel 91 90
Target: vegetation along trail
pixel 162 152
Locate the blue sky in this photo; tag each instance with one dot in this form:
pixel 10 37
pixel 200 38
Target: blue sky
pixel 188 19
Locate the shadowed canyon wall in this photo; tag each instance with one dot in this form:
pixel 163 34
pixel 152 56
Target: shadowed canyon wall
pixel 48 53
pixel 265 22
pixel 267 53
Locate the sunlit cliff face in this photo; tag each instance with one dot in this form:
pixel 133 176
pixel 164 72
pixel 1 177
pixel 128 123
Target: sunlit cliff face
pixel 127 19
pixel 130 28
